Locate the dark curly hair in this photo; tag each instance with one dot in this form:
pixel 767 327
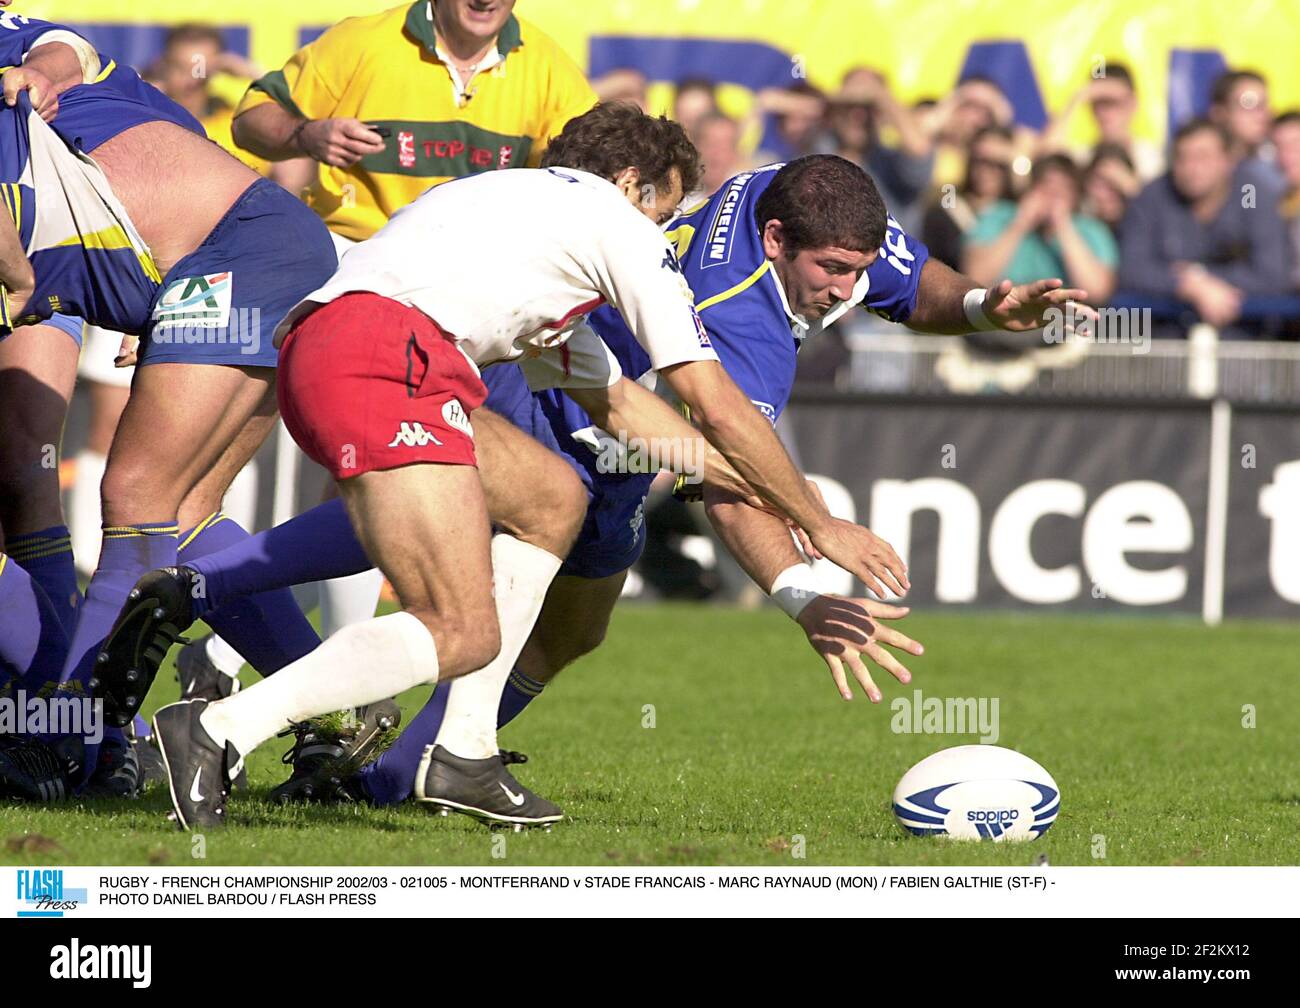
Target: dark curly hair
pixel 823 200
pixel 617 135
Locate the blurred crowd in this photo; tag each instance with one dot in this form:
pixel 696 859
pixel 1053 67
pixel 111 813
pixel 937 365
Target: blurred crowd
pixel 1206 228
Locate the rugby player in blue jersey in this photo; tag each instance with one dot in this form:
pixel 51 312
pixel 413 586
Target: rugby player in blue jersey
pixel 765 273
pixel 121 212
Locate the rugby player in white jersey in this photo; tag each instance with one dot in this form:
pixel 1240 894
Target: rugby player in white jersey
pixel 378 382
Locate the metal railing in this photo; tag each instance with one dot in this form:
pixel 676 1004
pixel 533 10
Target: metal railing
pixel 887 359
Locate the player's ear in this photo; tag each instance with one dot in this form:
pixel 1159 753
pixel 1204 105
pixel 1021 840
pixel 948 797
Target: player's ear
pixel 629 180
pixel 773 239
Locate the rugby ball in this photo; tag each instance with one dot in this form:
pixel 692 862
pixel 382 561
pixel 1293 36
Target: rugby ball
pixel 977 792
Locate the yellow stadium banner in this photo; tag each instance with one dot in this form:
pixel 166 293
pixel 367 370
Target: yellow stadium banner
pixel 1041 52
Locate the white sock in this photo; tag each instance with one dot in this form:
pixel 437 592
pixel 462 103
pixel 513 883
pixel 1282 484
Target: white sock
pixel 223 656
pixel 520 576
pixel 348 600
pixel 361 664
pixel 84 524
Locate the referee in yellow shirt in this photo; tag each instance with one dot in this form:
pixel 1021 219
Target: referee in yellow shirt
pixel 393 103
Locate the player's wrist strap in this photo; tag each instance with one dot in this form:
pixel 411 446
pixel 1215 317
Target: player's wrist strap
pixel 794 588
pixel 973 305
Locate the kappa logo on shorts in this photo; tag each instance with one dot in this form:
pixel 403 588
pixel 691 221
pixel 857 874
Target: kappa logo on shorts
pixel 412 435
pixel 197 302
pixel 454 413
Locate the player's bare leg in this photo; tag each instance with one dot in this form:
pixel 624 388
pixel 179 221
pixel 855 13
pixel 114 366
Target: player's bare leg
pixel 38 367
pixel 38 582
pixel 426 526
pixel 537 504
pixel 573 623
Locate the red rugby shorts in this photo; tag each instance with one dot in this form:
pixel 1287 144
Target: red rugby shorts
pixel 367 383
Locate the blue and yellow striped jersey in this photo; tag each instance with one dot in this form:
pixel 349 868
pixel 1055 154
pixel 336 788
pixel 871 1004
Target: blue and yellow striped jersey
pixel 86 255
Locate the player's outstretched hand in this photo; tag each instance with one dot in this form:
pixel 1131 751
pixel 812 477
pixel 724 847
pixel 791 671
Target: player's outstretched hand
pixel 39 88
pixel 863 554
pixel 1023 307
pixel 339 142
pixel 841 630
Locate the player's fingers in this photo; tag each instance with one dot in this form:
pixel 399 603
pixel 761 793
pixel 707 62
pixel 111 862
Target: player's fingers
pixel 867 576
pixel 863 676
pixel 883 610
pixel 891 570
pixel 889 663
pixel 13 83
pixel 805 543
pixel 837 674
pixel 898 639
pixel 1037 288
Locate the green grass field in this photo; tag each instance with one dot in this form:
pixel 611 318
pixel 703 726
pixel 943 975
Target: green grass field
pixel 1139 720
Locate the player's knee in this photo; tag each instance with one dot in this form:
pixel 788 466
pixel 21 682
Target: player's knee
pixel 467 639
pixel 131 492
pixel 564 510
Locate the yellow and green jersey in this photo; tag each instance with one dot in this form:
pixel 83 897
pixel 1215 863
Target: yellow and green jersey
pixel 388 70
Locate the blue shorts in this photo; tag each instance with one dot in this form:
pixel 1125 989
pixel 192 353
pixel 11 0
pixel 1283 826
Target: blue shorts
pixel 68 324
pixel 222 302
pixel 613 532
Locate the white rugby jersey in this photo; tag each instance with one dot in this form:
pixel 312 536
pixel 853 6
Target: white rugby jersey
pixel 508 263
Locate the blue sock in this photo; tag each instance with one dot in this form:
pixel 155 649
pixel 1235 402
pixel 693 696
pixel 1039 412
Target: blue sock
pixel 315 546
pixel 128 552
pixel 47 557
pixel 391 778
pixel 519 692
pixel 33 644
pixel 267 629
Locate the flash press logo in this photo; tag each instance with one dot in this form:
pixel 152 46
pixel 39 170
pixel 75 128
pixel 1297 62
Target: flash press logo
pixel 76 961
pixel 41 893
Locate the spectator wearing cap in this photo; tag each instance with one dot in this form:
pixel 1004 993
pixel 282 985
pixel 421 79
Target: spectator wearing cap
pixel 1193 235
pixel 1044 235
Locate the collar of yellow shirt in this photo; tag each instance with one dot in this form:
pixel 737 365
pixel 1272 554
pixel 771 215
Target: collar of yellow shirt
pixel 419 22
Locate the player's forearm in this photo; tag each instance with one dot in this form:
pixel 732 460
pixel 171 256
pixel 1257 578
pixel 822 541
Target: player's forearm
pixel 736 429
pixel 62 64
pixel 939 300
pixel 759 541
pixel 269 131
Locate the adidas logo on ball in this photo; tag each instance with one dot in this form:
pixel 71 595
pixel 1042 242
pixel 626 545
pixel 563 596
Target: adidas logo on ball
pixel 977 792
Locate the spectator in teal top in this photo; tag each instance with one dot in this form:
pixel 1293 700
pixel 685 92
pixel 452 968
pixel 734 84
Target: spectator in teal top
pixel 1044 235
